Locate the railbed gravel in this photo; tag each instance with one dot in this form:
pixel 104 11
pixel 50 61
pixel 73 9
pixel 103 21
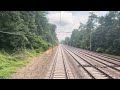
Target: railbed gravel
pixel 37 68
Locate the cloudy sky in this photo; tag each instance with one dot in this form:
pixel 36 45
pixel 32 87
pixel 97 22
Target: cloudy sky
pixel 67 21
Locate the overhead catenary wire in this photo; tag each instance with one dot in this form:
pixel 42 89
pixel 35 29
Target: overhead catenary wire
pixel 17 34
pixel 60 24
pixel 63 31
pixel 9 33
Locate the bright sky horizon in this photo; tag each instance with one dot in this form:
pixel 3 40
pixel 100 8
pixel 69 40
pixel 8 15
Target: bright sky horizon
pixel 67 21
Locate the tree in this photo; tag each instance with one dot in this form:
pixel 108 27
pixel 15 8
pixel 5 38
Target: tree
pixel 25 30
pixel 103 32
pixel 67 40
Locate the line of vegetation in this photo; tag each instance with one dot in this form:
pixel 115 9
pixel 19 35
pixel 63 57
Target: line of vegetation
pixel 23 35
pixel 99 34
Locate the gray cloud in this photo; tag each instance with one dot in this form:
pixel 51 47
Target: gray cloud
pixel 70 20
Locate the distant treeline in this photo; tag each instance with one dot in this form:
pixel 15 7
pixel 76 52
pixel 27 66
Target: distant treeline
pixel 101 34
pixel 26 30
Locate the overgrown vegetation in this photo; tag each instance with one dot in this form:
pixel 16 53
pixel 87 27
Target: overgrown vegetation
pixel 25 29
pixel 101 34
pixel 9 63
pixel 25 33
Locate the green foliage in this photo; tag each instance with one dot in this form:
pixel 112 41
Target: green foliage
pixel 109 50
pixel 107 34
pixel 9 63
pixel 25 34
pixel 67 39
pixel 101 34
pixel 30 29
pixel 101 50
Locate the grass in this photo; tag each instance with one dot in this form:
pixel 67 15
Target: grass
pixel 10 63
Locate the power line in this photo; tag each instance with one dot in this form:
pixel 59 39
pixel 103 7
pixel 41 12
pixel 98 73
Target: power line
pixel 18 34
pixel 60 17
pixel 9 33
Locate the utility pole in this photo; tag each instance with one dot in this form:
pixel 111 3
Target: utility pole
pixel 52 42
pixel 60 17
pixel 90 41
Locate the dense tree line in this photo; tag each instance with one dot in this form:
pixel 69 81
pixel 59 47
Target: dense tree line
pixel 26 30
pixel 101 34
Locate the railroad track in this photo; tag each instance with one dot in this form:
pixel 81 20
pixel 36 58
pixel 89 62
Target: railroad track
pixel 110 62
pixel 91 71
pixel 101 56
pixel 60 68
pixel 109 69
pixel 73 63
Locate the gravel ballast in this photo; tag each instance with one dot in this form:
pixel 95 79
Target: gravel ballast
pixel 37 68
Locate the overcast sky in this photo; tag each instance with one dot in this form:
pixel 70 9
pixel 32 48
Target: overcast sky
pixel 69 21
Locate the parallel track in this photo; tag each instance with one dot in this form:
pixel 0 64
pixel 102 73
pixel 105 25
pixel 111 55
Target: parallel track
pixel 73 63
pixel 90 65
pixel 109 63
pixel 101 56
pixel 110 70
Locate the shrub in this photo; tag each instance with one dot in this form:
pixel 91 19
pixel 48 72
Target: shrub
pixel 109 50
pixel 100 50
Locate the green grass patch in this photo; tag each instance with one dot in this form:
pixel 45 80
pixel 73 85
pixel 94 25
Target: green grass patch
pixel 10 63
